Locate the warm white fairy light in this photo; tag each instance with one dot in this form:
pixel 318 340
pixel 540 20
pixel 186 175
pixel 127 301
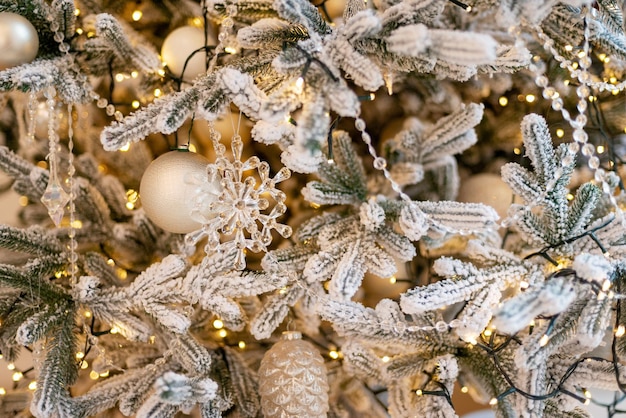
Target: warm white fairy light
pixel 544 340
pixel 241 344
pixel 620 331
pixel 137 15
pixel 17 376
pixel 218 324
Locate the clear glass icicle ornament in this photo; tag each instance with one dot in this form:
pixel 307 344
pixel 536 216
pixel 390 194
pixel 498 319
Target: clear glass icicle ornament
pixel 55 197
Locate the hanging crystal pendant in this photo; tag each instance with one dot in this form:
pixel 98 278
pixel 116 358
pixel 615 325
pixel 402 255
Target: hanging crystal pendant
pixel 55 197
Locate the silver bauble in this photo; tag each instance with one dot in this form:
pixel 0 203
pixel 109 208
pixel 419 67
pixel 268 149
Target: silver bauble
pixel 166 192
pixel 19 42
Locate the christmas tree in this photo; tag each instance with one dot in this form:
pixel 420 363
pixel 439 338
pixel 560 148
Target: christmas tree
pixel 290 208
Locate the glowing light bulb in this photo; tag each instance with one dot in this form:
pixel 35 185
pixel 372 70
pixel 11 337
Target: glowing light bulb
pixel 242 344
pixel 464 389
pixel 94 375
pixel 17 376
pixel 218 324
pixel 333 354
pixel 222 333
pixel 493 401
pixel 32 385
pixel 620 331
pixel 125 147
pixel 385 359
pixel 503 101
pixel 544 340
pixel 419 392
pixel 530 98
pixel 560 133
pixel 137 15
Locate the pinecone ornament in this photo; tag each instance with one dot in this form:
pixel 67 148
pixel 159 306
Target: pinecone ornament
pixel 292 380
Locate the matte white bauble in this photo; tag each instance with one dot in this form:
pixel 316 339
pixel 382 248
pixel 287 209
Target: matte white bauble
pixel 180 45
pixel 166 191
pixel 19 42
pixel 489 189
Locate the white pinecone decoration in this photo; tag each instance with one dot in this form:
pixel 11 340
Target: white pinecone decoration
pixel 292 380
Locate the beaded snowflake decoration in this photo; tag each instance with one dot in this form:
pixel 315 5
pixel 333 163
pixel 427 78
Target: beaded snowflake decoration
pixel 237 209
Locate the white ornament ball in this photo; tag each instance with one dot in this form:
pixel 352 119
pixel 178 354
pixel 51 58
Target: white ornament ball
pixel 166 191
pixel 489 189
pixel 292 380
pixel 19 42
pixel 180 45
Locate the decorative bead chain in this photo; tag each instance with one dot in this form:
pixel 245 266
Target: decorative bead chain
pixel 226 33
pixel 548 45
pixel 579 135
pixel 32 111
pixel 380 163
pixel 73 269
pixel 64 47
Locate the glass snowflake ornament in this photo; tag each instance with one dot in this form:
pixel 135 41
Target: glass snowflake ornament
pixel 244 213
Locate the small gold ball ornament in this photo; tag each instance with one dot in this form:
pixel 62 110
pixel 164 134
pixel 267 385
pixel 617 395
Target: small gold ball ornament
pixel 292 380
pixel 166 190
pixel 19 42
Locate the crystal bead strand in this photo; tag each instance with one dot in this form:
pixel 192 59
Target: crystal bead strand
pixel 226 33
pixel 548 45
pixel 380 163
pixel 583 91
pixel 55 197
pixel 64 47
pixel 32 111
pixel 73 269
